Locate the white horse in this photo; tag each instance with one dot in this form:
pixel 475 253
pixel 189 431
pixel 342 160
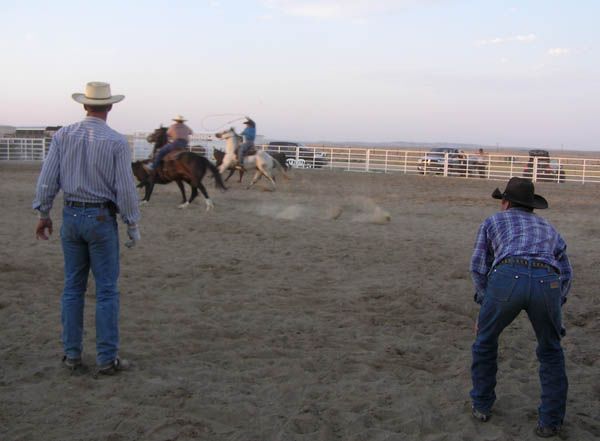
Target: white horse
pixel 262 162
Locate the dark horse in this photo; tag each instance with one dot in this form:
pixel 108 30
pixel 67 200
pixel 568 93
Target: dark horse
pixel 179 166
pixel 220 154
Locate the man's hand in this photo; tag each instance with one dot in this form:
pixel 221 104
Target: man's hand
pixel 134 235
pixel 42 226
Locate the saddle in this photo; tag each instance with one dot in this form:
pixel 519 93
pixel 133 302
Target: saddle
pixel 251 151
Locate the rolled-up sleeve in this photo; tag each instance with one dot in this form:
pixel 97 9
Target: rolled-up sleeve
pixel 48 183
pixel 126 193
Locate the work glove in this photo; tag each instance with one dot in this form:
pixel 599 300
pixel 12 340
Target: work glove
pixel 134 235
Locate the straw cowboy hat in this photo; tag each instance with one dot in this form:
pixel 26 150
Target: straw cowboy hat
pixel 179 118
pixel 97 93
pixel 522 192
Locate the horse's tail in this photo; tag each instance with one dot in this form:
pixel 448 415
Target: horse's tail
pixel 281 158
pixel 281 168
pixel 216 174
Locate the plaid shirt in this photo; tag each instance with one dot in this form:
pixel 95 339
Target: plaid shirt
pixel 90 162
pixel 518 233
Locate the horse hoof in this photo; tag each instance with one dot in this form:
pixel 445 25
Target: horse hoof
pixel 143 202
pixel 184 205
pixel 209 205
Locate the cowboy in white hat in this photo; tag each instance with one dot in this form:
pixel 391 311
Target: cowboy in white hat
pixel 179 138
pixel 91 163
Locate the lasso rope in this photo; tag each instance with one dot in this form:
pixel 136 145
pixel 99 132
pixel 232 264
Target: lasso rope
pixel 238 116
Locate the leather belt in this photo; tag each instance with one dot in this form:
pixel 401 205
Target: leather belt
pixel 527 263
pixel 78 204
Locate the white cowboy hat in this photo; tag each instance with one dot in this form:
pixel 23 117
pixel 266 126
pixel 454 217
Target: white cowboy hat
pixel 179 118
pixel 97 93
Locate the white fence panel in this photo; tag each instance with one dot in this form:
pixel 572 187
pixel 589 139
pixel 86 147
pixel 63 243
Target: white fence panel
pixel 496 166
pixel 22 149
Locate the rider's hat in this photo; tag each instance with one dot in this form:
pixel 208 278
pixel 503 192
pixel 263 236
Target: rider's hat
pixel 179 118
pixel 97 94
pixel 250 122
pixel 521 191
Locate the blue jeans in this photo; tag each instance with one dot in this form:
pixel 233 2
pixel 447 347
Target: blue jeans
pixel 510 289
pixel 243 148
pixel 167 148
pixel 90 240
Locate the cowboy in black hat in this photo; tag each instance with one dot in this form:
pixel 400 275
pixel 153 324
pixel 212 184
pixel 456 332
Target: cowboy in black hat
pixel 520 263
pixel 249 135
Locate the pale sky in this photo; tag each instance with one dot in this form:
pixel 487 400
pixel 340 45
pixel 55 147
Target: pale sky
pixel 513 73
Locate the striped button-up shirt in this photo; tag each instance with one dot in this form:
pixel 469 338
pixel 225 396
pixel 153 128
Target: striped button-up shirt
pixel 518 233
pixel 90 162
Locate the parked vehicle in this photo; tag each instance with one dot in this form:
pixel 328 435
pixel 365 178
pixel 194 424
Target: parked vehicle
pixel 547 170
pixel 435 160
pixel 298 154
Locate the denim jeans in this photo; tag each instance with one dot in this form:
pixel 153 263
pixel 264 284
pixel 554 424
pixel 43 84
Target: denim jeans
pixel 90 240
pixel 178 143
pixel 243 148
pixel 510 289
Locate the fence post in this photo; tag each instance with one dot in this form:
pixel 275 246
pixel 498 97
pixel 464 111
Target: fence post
pixel 405 162
pixel 385 168
pixel 446 164
pixel 583 172
pixel 367 159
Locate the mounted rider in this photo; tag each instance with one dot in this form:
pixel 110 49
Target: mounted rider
pixel 178 135
pixel 248 135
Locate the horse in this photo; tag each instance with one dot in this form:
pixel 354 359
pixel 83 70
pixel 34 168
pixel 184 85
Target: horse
pixel 261 161
pixel 140 171
pixel 180 166
pixel 218 155
pixel 158 138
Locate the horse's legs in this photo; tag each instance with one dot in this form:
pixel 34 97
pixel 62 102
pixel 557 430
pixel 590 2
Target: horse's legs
pixel 148 193
pixel 209 203
pixel 256 177
pixel 194 194
pixel 182 190
pixel 231 172
pixel 266 174
pixel 241 174
pixel 196 182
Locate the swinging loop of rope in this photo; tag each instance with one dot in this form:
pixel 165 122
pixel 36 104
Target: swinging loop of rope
pixel 217 115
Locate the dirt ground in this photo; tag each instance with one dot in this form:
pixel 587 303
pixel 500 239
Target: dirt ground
pixel 337 308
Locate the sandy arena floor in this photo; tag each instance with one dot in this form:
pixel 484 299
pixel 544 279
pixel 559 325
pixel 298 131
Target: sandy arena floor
pixel 300 314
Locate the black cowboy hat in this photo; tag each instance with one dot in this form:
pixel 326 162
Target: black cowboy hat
pixel 522 192
pixel 249 121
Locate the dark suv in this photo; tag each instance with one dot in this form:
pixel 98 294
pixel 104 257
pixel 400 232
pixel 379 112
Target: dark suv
pixel 547 169
pixel 433 161
pixel 308 157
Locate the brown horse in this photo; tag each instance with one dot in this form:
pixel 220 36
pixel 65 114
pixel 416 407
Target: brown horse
pixel 220 154
pixel 180 166
pixel 159 139
pixel 140 171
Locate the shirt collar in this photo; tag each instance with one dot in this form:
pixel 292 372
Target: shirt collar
pixel 94 119
pixel 521 209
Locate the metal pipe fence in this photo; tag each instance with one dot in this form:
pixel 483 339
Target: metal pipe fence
pixel 496 166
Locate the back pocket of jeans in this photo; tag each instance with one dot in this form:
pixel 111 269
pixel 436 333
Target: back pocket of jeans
pixel 501 285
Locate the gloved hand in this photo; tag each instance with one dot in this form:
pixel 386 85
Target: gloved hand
pixel 134 235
